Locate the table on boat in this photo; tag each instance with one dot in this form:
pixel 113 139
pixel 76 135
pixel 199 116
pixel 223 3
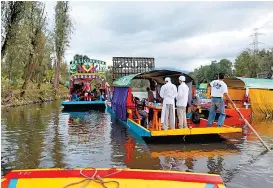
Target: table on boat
pixel 155 123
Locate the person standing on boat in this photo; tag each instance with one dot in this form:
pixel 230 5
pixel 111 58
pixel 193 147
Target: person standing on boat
pixel 218 89
pixel 168 93
pixel 150 99
pixel 157 92
pixel 181 102
pixel 87 89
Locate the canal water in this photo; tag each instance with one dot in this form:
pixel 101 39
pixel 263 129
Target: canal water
pixel 42 136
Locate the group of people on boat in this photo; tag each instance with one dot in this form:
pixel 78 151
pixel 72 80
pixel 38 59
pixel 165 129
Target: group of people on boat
pixel 83 92
pixel 169 93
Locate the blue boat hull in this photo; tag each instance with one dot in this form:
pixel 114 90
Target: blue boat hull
pixel 137 129
pixel 83 105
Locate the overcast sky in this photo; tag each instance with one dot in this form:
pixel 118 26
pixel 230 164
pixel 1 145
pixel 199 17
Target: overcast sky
pixel 181 35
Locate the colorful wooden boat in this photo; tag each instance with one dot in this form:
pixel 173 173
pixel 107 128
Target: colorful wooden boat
pixel 92 71
pixel 110 178
pixel 251 95
pixel 123 107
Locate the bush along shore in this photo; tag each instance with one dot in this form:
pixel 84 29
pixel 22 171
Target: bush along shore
pixel 12 97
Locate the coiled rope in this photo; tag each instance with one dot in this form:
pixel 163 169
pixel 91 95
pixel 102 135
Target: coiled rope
pixel 96 178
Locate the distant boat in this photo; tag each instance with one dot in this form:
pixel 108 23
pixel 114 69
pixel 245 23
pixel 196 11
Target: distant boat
pixel 92 71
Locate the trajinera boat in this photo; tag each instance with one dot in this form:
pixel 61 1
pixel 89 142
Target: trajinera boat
pixel 87 88
pixel 109 178
pixel 251 96
pixel 124 106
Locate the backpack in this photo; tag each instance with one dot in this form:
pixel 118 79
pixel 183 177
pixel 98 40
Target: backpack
pixel 195 118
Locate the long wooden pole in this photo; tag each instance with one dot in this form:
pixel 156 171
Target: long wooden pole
pixel 248 124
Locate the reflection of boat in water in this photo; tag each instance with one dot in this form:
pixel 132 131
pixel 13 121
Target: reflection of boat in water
pixel 82 98
pixel 193 150
pixel 262 126
pixel 118 178
pixel 86 125
pixel 128 112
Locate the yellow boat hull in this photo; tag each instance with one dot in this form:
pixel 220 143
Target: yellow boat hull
pixel 52 178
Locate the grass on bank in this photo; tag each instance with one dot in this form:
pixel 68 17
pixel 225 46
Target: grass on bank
pixel 10 93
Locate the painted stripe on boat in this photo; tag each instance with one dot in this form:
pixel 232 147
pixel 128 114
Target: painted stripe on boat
pixel 126 174
pixel 209 185
pixel 13 183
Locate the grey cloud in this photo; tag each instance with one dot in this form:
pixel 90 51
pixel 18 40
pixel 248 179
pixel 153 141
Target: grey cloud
pixel 184 20
pixel 160 29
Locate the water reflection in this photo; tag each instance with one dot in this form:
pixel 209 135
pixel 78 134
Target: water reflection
pixel 41 136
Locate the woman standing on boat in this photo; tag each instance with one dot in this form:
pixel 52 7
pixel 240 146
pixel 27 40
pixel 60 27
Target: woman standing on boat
pixel 218 89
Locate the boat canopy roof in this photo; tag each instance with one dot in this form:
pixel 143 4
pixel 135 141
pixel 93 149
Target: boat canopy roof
pixel 240 82
pixel 158 75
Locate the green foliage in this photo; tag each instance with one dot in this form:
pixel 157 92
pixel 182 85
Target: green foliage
pixel 246 64
pixel 28 47
pixel 12 12
pixel 249 65
pixel 207 73
pixel 109 77
pixel 62 31
pixel 63 27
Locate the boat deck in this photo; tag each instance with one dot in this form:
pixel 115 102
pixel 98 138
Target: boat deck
pixel 196 129
pixel 119 178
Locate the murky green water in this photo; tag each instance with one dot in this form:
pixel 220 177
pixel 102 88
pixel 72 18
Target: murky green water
pixel 41 136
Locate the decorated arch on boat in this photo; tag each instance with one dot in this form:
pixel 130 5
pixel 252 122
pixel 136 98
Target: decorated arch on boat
pixel 87 66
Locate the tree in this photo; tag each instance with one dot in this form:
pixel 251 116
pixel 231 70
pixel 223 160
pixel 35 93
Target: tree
pixel 43 71
pixel 11 14
pixel 36 25
pixel 63 29
pixel 225 66
pixel 207 73
pixel 265 60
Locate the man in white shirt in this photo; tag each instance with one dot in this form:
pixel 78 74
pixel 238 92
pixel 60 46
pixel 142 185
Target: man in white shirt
pixel 218 89
pixel 168 93
pixel 181 102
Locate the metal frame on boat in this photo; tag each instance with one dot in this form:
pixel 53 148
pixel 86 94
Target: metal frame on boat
pixel 122 107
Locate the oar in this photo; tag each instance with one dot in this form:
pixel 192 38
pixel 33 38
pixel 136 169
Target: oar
pixel 248 124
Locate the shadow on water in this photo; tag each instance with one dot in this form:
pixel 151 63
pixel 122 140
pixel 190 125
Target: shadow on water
pixel 42 136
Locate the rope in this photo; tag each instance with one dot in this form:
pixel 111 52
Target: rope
pixel 96 178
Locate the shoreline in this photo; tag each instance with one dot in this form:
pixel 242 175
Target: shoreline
pixel 27 102
pixel 32 96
